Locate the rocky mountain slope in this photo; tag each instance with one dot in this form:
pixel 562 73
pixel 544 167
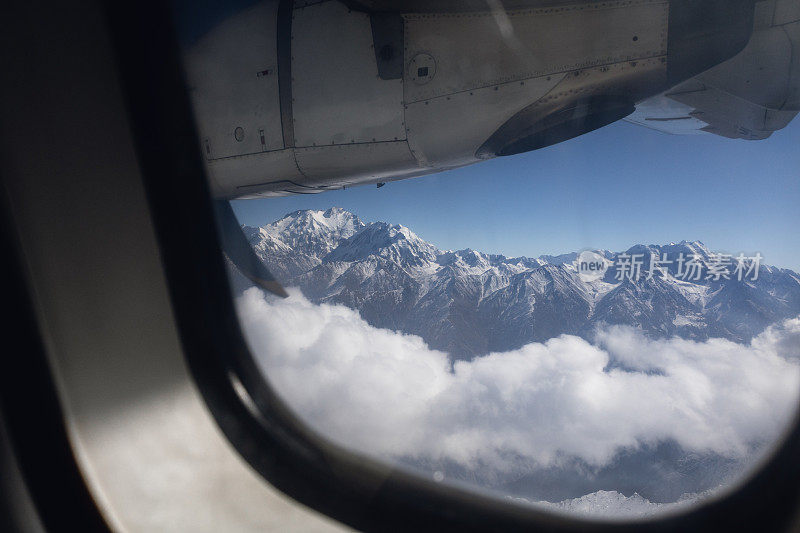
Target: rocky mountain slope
pixel 468 303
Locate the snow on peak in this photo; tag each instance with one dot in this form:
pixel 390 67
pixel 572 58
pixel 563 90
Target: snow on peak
pixel 395 242
pixel 299 240
pixel 612 504
pixel 335 222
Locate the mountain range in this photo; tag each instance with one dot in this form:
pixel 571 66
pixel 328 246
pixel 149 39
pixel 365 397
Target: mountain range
pixel 468 303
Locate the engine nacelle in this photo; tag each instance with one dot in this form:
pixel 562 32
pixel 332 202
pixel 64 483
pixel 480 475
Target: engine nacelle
pixel 296 98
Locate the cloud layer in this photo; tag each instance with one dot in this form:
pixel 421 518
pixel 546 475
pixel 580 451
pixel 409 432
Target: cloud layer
pixel 388 394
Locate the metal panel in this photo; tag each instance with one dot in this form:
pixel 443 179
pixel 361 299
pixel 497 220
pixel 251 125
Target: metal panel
pixel 233 83
pixel 475 50
pixel 447 6
pixel 668 116
pixel 356 163
pixel 793 90
pixel 760 73
pixel 747 97
pixel 447 131
pixel 786 11
pixel 726 114
pixel 387 39
pixel 337 93
pixel 585 100
pixel 235 176
pixel 764 14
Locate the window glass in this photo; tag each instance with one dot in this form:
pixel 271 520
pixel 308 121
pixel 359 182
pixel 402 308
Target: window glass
pixel 545 251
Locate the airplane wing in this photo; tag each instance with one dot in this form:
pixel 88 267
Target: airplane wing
pixel 748 97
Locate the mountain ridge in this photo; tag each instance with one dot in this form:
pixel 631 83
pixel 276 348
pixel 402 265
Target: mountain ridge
pixel 470 303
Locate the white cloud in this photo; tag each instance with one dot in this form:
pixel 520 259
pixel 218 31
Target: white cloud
pixel 388 394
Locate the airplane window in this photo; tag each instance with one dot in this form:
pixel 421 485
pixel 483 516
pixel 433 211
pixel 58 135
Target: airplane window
pixel 542 249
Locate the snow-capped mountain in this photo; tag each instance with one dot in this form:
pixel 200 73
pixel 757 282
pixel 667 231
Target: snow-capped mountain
pixel 297 243
pixel 469 303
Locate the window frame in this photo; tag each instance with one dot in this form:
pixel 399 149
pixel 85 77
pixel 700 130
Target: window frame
pixel 358 491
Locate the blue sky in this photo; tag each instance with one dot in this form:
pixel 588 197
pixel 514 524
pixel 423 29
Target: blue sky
pixel 612 188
